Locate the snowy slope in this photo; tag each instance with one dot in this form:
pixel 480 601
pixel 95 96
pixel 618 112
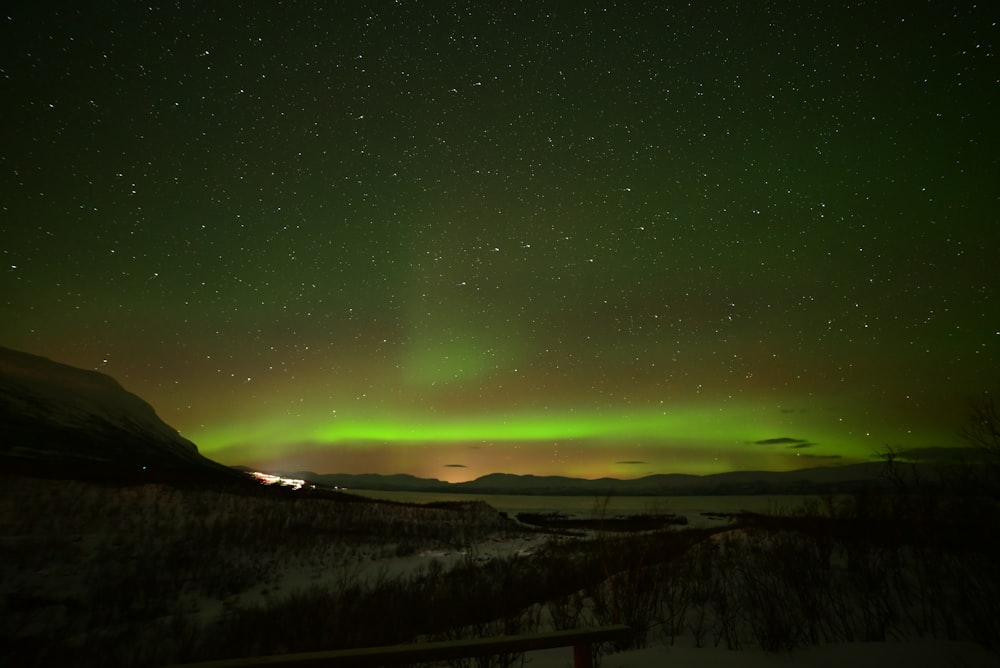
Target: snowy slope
pixel 51 411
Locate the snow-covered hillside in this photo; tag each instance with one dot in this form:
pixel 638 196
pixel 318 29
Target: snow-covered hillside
pixel 53 412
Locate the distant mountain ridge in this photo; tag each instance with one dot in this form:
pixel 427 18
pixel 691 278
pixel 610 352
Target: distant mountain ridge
pixel 56 417
pixel 803 481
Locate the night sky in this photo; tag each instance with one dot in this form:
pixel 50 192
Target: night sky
pixel 572 238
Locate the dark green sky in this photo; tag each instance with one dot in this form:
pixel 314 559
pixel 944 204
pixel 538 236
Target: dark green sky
pixel 532 237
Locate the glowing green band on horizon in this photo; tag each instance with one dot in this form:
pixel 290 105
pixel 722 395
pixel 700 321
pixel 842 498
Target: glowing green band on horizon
pixel 521 428
pixel 692 424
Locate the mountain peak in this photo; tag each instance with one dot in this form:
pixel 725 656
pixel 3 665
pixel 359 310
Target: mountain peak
pixel 59 415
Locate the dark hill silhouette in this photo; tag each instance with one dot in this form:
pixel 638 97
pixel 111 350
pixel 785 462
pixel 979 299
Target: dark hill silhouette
pixel 61 421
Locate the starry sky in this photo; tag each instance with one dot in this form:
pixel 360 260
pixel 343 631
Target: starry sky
pixel 455 238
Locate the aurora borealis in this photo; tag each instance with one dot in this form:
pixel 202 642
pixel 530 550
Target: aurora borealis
pixel 450 239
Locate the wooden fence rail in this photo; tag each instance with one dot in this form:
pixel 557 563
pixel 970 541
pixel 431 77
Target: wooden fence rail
pixel 582 641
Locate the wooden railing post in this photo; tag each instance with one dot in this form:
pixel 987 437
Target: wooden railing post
pixel 583 655
pixel 581 640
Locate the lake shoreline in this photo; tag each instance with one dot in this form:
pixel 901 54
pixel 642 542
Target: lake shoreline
pixel 698 511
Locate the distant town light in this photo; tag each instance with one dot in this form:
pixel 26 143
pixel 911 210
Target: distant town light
pixel 269 479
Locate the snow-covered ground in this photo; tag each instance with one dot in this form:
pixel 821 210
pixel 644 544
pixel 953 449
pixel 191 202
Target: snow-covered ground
pixel 73 550
pixel 371 563
pixel 917 653
pixel 683 651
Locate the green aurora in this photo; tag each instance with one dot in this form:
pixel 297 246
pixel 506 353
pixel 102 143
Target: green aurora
pixel 580 239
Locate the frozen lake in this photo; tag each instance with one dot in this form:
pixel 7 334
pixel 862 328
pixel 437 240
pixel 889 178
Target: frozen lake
pixel 691 507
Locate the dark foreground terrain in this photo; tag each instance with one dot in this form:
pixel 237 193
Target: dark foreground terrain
pixel 153 574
